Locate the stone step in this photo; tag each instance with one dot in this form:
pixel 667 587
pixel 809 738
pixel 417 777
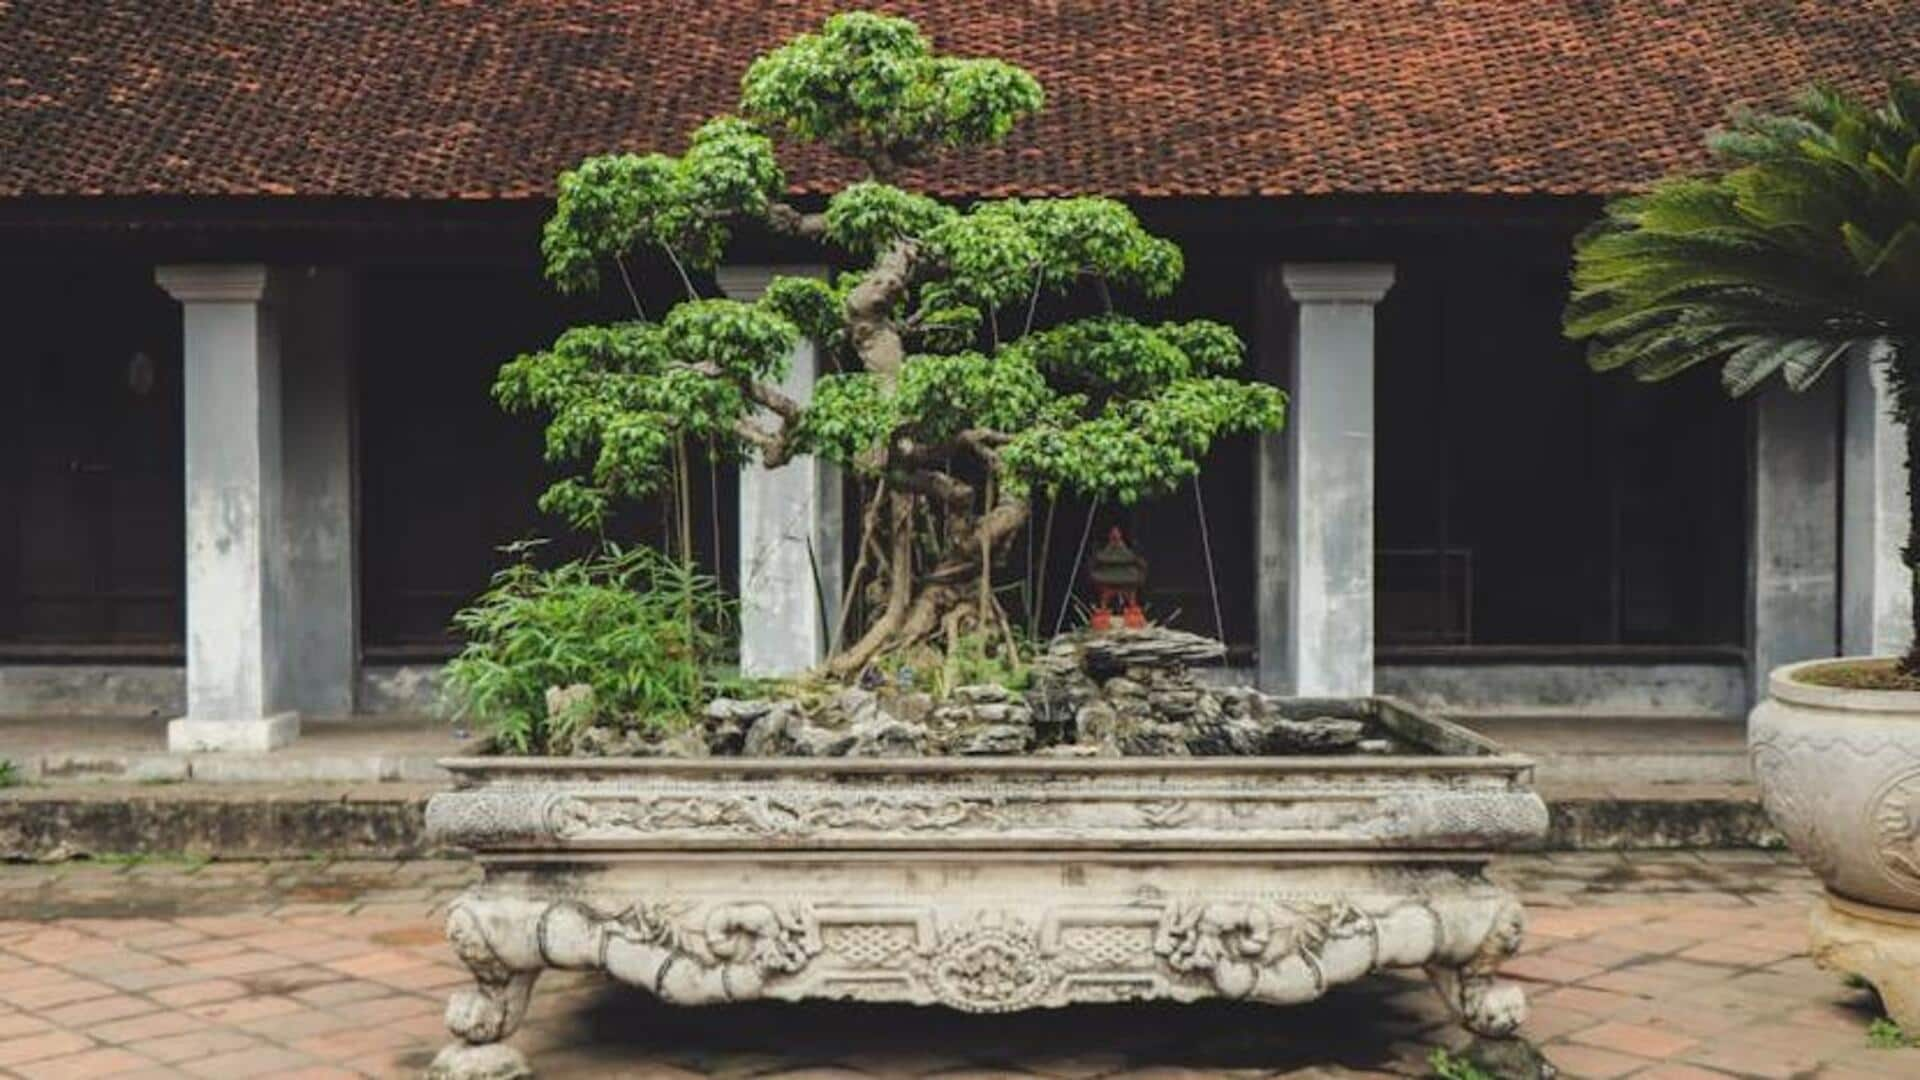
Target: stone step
pixel 1646 750
pixel 243 821
pixel 337 750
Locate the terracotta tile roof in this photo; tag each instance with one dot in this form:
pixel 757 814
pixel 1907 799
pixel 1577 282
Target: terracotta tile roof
pixel 482 100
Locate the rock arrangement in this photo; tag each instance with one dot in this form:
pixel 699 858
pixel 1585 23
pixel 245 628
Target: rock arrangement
pixel 1108 694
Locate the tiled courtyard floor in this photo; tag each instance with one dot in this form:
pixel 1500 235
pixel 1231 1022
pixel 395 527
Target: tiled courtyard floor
pixel 1663 966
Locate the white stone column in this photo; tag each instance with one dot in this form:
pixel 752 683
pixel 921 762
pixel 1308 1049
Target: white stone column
pixel 233 482
pixel 790 528
pixel 1876 603
pixel 1315 490
pixel 1794 551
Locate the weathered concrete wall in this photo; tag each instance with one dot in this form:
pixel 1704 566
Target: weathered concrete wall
pixel 399 688
pixel 1585 688
pixel 790 527
pixel 1876 605
pixel 92 690
pixel 317 590
pixel 1794 559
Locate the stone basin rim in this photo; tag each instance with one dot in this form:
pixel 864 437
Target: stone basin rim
pixel 975 766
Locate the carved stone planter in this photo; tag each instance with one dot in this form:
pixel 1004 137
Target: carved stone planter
pixel 988 884
pixel 1839 773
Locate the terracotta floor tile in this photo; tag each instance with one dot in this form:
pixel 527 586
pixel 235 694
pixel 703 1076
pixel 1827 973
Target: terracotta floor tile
pixel 1638 1040
pixel 107 1061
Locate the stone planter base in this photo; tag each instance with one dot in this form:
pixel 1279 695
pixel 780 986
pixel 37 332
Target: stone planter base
pixel 984 934
pixel 989 884
pixel 1880 945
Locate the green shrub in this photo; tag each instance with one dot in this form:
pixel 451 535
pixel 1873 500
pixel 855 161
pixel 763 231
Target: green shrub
pixel 639 628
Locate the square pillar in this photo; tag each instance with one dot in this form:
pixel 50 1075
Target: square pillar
pixel 790 528
pixel 1876 602
pixel 235 677
pixel 1314 497
pixel 1794 553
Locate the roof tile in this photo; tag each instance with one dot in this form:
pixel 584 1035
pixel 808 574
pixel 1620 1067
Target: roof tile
pixel 369 98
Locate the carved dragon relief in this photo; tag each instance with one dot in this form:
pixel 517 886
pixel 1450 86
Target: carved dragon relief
pixel 1276 950
pixel 801 813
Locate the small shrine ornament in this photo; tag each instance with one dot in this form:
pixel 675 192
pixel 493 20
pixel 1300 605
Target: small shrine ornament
pixel 1118 573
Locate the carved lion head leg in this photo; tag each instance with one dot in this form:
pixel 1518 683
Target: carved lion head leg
pixel 483 1014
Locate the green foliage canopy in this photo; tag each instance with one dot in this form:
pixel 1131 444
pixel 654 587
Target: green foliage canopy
pixel 1803 247
pixel 935 349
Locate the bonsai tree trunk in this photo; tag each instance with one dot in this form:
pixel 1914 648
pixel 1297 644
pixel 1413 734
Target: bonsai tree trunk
pixel 1910 555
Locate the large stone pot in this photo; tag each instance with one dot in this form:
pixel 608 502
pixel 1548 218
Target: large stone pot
pixel 1839 773
pixel 988 884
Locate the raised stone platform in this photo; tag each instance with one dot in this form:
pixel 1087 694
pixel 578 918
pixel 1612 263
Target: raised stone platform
pixel 332 750
pixel 358 785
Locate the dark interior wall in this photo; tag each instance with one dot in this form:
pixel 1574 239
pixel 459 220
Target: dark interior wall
pixel 1524 500
pixel 91 470
pixel 447 478
pixel 1521 499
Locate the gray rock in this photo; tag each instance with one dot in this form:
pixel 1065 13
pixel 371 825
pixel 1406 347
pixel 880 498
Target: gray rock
pixel 992 713
pixel 887 737
pixel 737 709
pixel 1097 723
pixel 683 744
pixel 570 708
pixel 994 739
pixel 785 731
pixel 1152 647
pixel 1320 735
pixel 1175 703
pixel 1121 686
pixel 1154 739
pixel 980 693
pixel 912 708
pixel 853 703
pixel 1226 736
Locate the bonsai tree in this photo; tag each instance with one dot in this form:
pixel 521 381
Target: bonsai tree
pixel 1802 250
pixel 958 383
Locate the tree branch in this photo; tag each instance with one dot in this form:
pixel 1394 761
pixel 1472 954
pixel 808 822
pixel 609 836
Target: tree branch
pixel 870 326
pixel 783 218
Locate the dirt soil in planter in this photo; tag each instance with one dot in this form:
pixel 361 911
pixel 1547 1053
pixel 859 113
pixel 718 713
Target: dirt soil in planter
pixel 1860 675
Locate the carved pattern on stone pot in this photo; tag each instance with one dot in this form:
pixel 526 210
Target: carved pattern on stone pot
pixel 989 969
pixel 1788 796
pixel 771 815
pixel 1895 827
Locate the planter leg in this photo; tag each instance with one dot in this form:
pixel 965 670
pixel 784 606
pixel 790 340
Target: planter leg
pixel 1877 944
pixel 1485 1004
pixel 487 1012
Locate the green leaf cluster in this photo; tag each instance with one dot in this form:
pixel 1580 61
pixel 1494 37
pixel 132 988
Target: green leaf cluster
pixel 640 629
pixel 625 396
pixel 871 86
pixel 1804 247
pixel 610 204
pixel 1134 447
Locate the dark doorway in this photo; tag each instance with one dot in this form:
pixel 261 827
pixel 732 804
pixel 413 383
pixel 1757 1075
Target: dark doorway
pixel 1526 501
pixel 446 477
pixel 92 548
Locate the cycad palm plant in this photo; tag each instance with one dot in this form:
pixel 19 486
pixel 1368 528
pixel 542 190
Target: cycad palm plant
pixel 1802 249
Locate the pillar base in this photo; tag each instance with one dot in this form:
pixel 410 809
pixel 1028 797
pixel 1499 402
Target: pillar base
pixel 1880 945
pixel 188 735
